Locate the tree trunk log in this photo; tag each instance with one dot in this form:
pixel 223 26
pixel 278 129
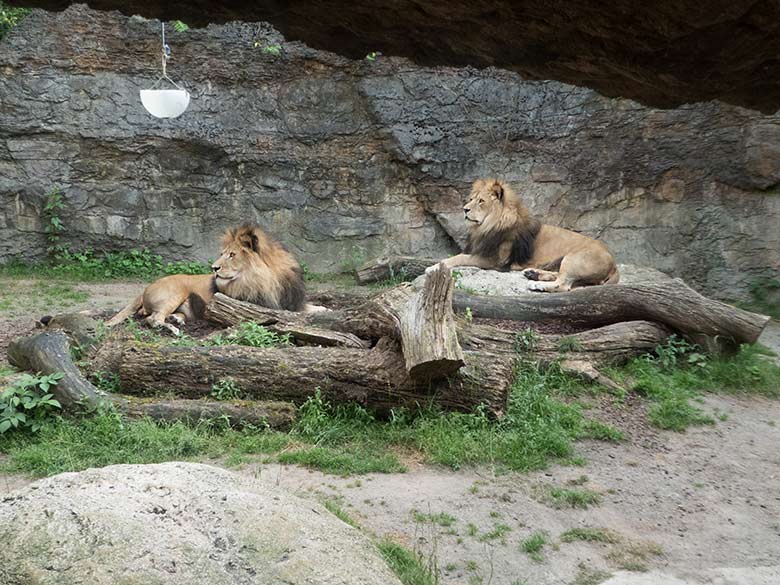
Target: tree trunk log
pixel 610 345
pixel 425 325
pixel 376 379
pixel 363 322
pixel 49 353
pixel 403 267
pixel 672 303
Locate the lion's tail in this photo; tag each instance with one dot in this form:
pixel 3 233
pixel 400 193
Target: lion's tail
pixel 130 310
pixel 613 277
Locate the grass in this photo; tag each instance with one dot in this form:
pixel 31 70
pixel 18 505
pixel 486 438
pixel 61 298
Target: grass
pixel 673 383
pixel 561 498
pixel 634 556
pixel 589 534
pixel 533 545
pixel 39 297
pixel 498 532
pixel 411 568
pixel 334 508
pixel 442 518
pixel 586 576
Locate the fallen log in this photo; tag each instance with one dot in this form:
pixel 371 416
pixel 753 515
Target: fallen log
pixel 425 324
pixel 672 303
pixel 403 267
pixel 49 352
pixel 609 345
pixel 377 379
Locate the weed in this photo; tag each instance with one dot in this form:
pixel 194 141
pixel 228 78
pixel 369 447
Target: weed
pixel 499 531
pixel 180 26
pixel 633 556
pixel 53 203
pixel 560 498
pixel 588 534
pixel 569 343
pixel 353 260
pixel 586 576
pixel 10 17
pixel 226 389
pixel 372 56
pixel 765 296
pixel 472 529
pixel 334 508
pixel 469 317
pixel 593 429
pixel 251 334
pixel 410 567
pixel 442 518
pixel 273 49
pixel 343 461
pixel 533 545
pixel 105 381
pixel 27 403
pixel 526 340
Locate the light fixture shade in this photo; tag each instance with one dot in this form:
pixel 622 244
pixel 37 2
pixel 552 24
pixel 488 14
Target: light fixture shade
pixel 165 103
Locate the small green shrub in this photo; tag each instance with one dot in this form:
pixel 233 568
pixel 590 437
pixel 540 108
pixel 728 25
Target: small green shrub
pixel 526 340
pixel 410 567
pixel 27 403
pixel 534 544
pixel 226 389
pixel 589 534
pixel 253 335
pixel 180 26
pixel 106 381
pixel 10 17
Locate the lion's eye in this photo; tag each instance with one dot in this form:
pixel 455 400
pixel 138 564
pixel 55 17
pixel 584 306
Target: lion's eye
pixel 232 254
pixel 481 200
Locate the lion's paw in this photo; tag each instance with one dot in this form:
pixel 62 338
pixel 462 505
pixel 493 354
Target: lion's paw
pixel 432 269
pixel 531 274
pixel 537 286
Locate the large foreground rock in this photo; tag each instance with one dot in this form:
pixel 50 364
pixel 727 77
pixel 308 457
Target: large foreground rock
pixel 176 524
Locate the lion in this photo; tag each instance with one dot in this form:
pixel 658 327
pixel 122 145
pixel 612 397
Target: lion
pixel 503 235
pixel 252 267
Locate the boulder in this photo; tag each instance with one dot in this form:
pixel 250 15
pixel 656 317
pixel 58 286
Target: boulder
pixel 176 524
pixel 495 283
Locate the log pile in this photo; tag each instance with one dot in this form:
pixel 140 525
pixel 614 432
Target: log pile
pixel 399 348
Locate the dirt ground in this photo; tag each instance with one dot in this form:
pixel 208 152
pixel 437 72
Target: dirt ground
pixel 701 507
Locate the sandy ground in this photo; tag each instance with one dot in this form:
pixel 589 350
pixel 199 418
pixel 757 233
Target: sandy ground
pixel 701 507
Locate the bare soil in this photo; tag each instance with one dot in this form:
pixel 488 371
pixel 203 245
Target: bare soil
pixel 695 508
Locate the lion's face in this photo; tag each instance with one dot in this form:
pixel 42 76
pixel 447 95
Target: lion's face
pixel 236 257
pixel 486 198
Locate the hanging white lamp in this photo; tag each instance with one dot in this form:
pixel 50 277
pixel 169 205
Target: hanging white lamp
pixel 165 103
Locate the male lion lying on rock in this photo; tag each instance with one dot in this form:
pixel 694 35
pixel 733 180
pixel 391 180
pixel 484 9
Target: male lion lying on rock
pixel 503 235
pixel 252 267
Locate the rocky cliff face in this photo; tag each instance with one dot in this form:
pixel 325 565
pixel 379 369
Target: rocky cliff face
pixel 345 159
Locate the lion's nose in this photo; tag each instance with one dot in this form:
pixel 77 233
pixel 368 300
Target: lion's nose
pixel 215 267
pixel 466 210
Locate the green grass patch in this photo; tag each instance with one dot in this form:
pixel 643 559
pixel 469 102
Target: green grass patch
pixel 335 508
pixel 441 518
pixel 410 567
pixel 344 461
pixel 677 373
pixel 561 498
pixel 533 545
pixel 590 534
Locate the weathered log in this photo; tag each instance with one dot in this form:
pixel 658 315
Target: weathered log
pixel 273 414
pixel 425 325
pixel 672 303
pixel 403 267
pixel 376 379
pixel 49 352
pixel 609 345
pixel 364 321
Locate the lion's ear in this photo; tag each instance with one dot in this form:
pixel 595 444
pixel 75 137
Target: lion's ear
pixel 497 189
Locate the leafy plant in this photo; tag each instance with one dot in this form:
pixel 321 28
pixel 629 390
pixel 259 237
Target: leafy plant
pixel 53 203
pixel 372 56
pixel 251 334
pixel 226 389
pixel 27 403
pixel 274 49
pixel 534 544
pixel 106 381
pixel 10 17
pixel 526 340
pixel 180 26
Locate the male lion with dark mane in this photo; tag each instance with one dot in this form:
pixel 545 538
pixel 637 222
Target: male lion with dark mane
pixel 503 235
pixel 252 267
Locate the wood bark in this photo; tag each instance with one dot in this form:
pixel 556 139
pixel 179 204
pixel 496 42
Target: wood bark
pixel 403 267
pixel 672 303
pixel 49 353
pixel 376 379
pixel 425 324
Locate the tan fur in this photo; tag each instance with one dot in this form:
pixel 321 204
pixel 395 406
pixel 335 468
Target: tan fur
pixel 251 267
pixel 504 235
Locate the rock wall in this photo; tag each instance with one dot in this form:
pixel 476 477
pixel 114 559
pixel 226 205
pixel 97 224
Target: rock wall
pixel 345 160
